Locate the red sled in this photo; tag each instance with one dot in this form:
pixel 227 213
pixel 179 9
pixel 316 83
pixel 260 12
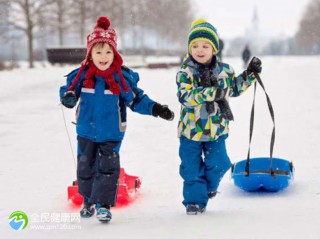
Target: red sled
pixel 127 190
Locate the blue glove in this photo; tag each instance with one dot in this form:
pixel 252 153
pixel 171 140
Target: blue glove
pixel 69 99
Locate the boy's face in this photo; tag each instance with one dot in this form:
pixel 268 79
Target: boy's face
pixel 202 51
pixel 102 56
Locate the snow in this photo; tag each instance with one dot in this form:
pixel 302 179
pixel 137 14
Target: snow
pixel 37 163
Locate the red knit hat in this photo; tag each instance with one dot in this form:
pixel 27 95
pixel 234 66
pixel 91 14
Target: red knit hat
pixel 102 32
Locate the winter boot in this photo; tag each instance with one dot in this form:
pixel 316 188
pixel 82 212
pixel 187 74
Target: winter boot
pixel 103 213
pixel 194 209
pixel 87 209
pixel 212 194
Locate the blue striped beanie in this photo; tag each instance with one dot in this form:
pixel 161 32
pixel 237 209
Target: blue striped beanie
pixel 202 30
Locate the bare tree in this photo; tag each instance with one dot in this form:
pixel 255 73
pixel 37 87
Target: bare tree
pixel 177 30
pixel 122 23
pixel 119 14
pixel 83 15
pixel 24 16
pixel 137 21
pixel 308 36
pixel 171 21
pixel 60 20
pixel 4 20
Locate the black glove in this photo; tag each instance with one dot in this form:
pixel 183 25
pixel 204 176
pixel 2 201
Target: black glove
pixel 254 65
pixel 163 111
pixel 69 99
pixel 205 78
pixel 219 94
pixel 225 109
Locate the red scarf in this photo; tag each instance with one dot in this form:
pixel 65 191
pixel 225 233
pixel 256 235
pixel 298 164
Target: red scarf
pixel 108 75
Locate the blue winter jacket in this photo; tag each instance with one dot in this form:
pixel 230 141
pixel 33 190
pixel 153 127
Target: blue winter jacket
pixel 101 115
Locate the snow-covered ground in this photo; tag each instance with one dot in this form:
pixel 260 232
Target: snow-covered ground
pixel 37 164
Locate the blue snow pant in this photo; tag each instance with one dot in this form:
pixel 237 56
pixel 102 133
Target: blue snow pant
pixel 201 175
pixel 98 170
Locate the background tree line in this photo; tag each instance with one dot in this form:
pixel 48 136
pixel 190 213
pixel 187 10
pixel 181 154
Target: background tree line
pixel 65 22
pixel 308 36
pixel 141 24
pixel 306 41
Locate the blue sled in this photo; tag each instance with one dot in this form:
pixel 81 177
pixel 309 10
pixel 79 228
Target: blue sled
pixel 260 177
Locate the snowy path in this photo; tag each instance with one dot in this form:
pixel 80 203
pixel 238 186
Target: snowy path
pixel 37 165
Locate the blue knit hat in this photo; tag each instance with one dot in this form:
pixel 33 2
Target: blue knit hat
pixel 202 30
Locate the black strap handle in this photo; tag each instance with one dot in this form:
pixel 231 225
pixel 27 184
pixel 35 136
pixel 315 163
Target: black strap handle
pixel 247 167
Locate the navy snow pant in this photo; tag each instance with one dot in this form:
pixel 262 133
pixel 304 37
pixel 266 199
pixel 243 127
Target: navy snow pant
pixel 201 175
pixel 98 170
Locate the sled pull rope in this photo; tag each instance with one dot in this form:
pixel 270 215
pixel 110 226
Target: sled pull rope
pixel 252 123
pixel 251 129
pixel 65 125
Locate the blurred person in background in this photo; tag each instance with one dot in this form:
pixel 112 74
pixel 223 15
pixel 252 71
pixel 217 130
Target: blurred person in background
pixel 246 54
pixel 221 46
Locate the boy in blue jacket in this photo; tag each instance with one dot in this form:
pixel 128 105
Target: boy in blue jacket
pixel 105 88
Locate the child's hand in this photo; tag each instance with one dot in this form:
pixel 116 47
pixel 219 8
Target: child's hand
pixel 69 99
pixel 163 111
pixel 208 79
pixel 220 93
pixel 205 79
pixel 255 65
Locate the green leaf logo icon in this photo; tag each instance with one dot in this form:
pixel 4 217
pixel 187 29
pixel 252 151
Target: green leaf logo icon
pixel 18 220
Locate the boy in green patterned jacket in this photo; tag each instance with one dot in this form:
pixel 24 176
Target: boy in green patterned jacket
pixel 204 88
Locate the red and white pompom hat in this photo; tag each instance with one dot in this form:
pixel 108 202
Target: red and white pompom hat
pixel 102 32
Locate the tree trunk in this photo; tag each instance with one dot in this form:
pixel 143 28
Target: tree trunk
pixel 60 21
pixel 142 43
pixel 82 21
pixel 122 36
pixel 122 26
pixel 29 34
pixel 30 47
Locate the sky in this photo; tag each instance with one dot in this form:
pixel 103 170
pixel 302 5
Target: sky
pixel 233 17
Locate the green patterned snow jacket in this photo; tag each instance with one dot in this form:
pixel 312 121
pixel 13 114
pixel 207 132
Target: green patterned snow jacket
pixel 195 123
